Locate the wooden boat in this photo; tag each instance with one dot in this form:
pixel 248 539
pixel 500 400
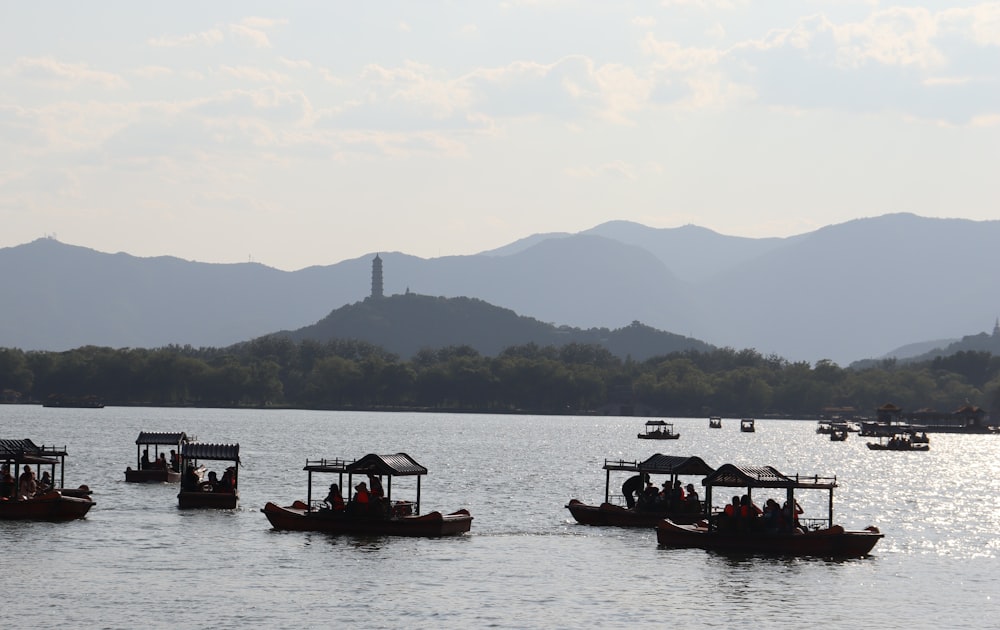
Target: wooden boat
pixel 838 434
pixel 715 422
pixel 900 442
pixel 753 534
pixel 659 430
pixel 644 514
pixel 380 517
pixel 147 470
pixel 747 425
pixel 54 504
pixel 195 493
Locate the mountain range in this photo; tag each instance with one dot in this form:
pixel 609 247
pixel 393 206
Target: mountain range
pixel 845 292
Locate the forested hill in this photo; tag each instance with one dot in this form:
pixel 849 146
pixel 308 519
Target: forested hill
pixel 407 323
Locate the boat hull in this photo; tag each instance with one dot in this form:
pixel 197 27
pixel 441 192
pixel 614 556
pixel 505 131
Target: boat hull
pixel 834 542
pixel 616 515
pixel 152 476
pixel 188 499
pixel 298 518
pixel 52 506
pixel 661 436
pixel 919 447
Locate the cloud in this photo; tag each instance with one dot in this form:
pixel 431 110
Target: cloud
pixel 49 72
pixel 211 37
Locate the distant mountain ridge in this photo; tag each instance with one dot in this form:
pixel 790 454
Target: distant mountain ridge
pixel 844 292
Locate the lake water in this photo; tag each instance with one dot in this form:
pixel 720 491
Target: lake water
pixel 138 561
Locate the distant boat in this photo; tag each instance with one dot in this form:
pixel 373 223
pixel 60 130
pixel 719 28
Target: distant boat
pixel 715 422
pixel 747 425
pixel 659 430
pixel 72 402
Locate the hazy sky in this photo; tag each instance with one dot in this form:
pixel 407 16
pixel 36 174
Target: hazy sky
pixel 305 133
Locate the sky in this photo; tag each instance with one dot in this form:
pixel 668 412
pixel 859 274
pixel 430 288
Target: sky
pixel 299 133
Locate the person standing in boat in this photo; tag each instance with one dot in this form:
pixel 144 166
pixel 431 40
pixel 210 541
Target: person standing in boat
pixel 7 482
pixel 191 479
pixel 175 461
pixel 144 462
pixel 633 486
pixel 376 486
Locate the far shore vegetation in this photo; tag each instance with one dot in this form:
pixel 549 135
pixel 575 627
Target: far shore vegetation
pixel 571 379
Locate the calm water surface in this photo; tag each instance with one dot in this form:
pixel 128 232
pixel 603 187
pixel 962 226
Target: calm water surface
pixel 137 560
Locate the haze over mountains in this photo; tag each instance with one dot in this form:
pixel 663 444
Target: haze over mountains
pixel 845 292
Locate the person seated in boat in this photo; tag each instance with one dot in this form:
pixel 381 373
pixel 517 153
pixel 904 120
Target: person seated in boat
pixel 692 502
pixel 213 482
pixel 730 514
pixel 175 461
pixel 748 515
pixel 646 501
pixel 191 479
pixel 7 482
pixel 26 484
pixel 45 483
pixel 144 462
pixel 228 481
pixel 676 496
pixel 771 518
pixel 633 486
pixel 161 462
pixel 362 499
pixel 334 499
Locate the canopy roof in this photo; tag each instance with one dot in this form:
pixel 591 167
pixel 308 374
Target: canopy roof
pixel 200 450
pixel 660 464
pixel 657 423
pixel 150 437
pixel 27 452
pixel 395 465
pixel 676 465
pixel 733 476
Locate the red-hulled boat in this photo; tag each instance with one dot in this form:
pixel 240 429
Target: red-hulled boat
pixel 220 494
pixel 151 471
pixel 380 516
pixel 752 533
pixel 48 504
pixel 644 513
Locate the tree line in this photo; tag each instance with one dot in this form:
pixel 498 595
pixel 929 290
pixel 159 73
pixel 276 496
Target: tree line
pixel 574 378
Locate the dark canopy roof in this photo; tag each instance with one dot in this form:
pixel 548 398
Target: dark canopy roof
pixel 396 465
pixel 151 437
pixel 200 450
pixel 27 452
pixel 675 465
pixel 656 423
pixel 733 476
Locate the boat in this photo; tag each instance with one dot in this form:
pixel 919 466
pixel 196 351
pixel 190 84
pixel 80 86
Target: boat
pixel 747 425
pixel 644 514
pixel 900 441
pixel 72 402
pixel 659 430
pixel 220 494
pixel 147 470
pixel 774 535
pixel 715 422
pixel 383 516
pixel 51 504
pixel 838 434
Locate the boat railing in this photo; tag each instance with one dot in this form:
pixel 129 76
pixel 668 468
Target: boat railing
pixel 620 464
pixel 329 463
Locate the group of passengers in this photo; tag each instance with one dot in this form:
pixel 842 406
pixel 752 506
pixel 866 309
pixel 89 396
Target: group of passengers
pixel 670 497
pixel 160 463
pixel 369 499
pixel 191 481
pixel 741 515
pixel 26 486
